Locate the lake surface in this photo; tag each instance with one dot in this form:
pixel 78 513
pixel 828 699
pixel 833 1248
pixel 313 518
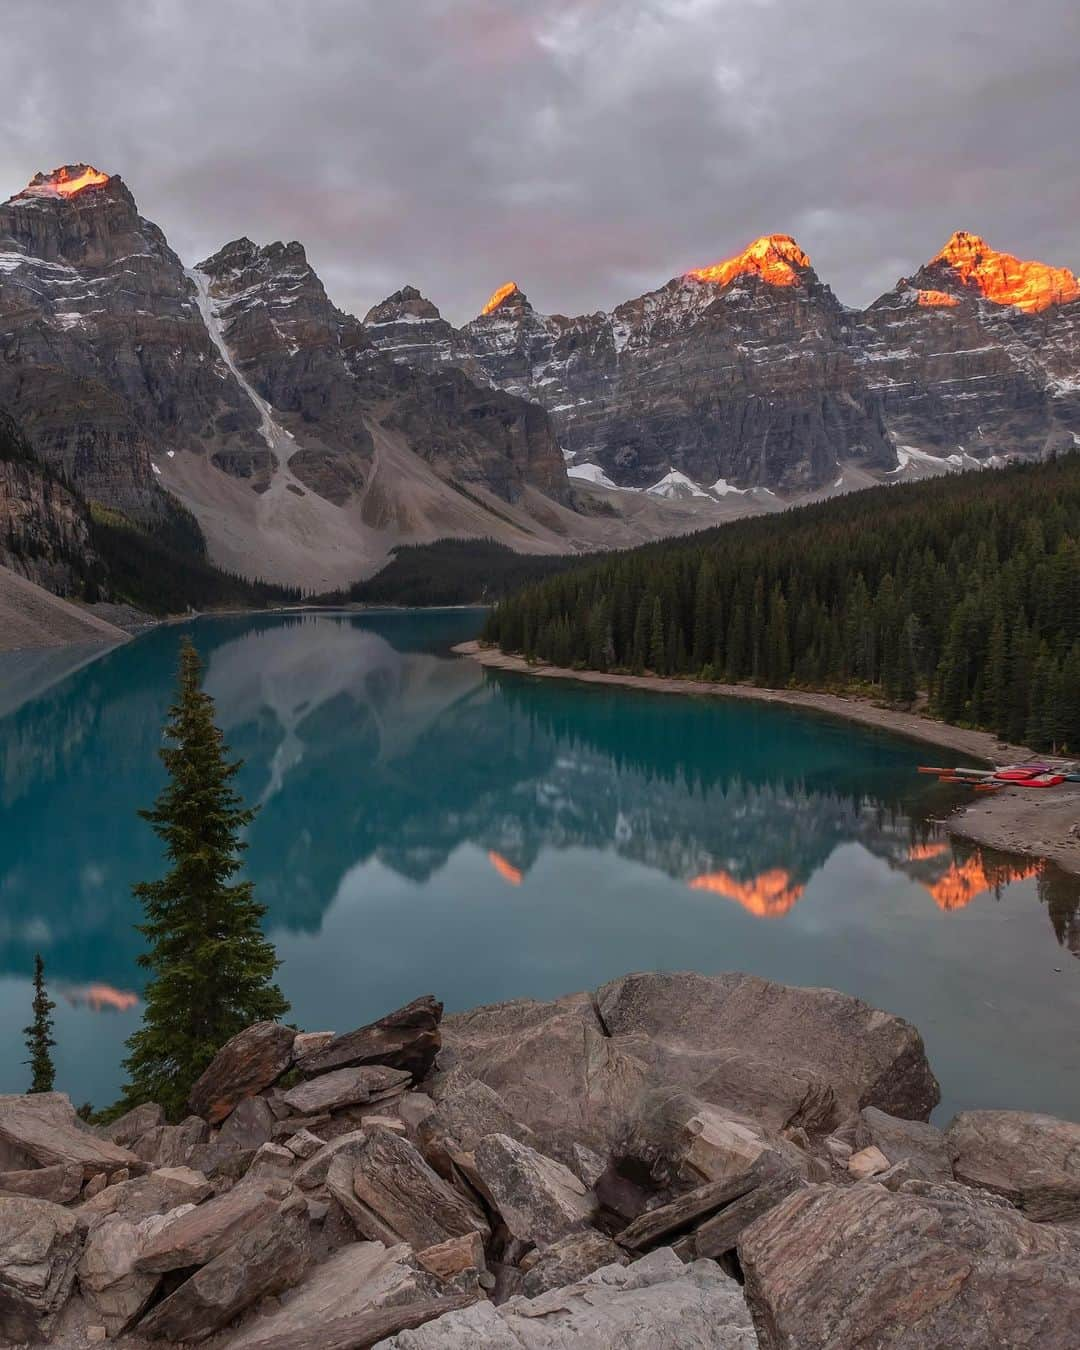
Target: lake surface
pixel 429 826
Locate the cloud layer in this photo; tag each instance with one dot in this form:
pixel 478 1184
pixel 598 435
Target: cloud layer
pixel 589 149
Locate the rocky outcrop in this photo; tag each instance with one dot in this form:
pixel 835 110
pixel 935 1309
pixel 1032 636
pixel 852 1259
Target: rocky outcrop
pixel 44 1129
pixel 588 1172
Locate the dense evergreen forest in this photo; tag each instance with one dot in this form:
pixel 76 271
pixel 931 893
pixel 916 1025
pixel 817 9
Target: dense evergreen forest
pixel 454 572
pixel 964 590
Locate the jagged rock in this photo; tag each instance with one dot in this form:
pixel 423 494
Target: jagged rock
pixel 934 1264
pixel 454 1256
pixel 95 1185
pixel 291 1125
pixel 655 1302
pixel 132 1124
pixel 719 1235
pixel 249 1125
pixel 406 1039
pixel 466 1110
pixel 198 1236
pixel 589 1166
pixel 113 1290
pixel 252 1061
pixel 42 1128
pixel 266 1260
pixel 309 1042
pixel 60 1183
pixel 312 1174
pixel 538 1198
pixel 868 1162
pixel 1031 1159
pixel 272 1160
pixel 358 1331
pixel 667 1220
pixel 414 1108
pixel 357 1279
pixel 345 1087
pixel 570 1260
pixel 680 1138
pixel 174 1145
pixel 303 1144
pixel 392 1195
pixel 908 1140
pixel 39 1250
pixel 166 1189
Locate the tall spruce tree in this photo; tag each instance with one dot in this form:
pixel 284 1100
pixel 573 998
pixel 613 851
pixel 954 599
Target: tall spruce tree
pixel 39 1037
pixel 211 967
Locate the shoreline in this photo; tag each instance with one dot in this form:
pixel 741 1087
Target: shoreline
pixel 1015 820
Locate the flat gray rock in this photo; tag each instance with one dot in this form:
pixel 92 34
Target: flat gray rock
pixel 174 1145
pixel 345 1087
pixel 202 1234
pixel 1031 1159
pixel 933 1264
pixel 114 1291
pixel 60 1183
pixel 408 1038
pixel 39 1250
pixel 128 1127
pixel 138 1197
pixel 655 1304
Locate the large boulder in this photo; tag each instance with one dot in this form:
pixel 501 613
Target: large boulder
pixel 538 1198
pixel 407 1038
pixel 570 1260
pixel 43 1128
pixel 356 1279
pixel 198 1236
pixel 1033 1160
pixel 392 1195
pixel 174 1145
pixel 574 1070
pixel 266 1260
pixel 933 1264
pixel 656 1302
pixel 125 1129
pixel 39 1250
pixel 115 1292
pixel 252 1061
pixel 738 1033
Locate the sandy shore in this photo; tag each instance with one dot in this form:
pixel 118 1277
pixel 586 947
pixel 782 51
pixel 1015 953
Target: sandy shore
pixel 1018 820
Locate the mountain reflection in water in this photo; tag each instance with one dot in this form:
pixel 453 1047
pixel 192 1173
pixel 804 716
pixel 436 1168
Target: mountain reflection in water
pixel 424 823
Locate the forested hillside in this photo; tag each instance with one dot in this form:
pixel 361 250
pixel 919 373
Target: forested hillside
pixel 966 589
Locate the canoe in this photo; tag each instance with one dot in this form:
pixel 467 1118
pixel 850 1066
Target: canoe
pixel 1018 773
pixel 1044 780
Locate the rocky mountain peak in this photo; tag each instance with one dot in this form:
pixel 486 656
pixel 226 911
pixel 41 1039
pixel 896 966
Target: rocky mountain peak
pixel 508 297
pixel 968 263
pixel 406 305
pixel 70 180
pixel 774 258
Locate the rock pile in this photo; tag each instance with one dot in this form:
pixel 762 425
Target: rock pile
pixel 674 1160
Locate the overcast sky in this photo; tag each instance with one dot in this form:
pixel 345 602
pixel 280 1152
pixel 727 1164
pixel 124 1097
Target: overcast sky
pixel 588 149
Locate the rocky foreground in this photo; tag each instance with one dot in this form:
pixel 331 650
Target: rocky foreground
pixel 673 1161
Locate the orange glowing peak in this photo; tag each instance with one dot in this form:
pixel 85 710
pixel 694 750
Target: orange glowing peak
pixel 1030 286
pixel 769 895
pixel 67 181
pixel 937 300
pixel 775 258
pixel 497 297
pixel 505 869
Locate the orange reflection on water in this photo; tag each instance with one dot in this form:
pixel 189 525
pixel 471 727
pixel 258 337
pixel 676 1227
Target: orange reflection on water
pixel 514 875
pixel 920 852
pixel 769 895
pixel 102 997
pixel 963 881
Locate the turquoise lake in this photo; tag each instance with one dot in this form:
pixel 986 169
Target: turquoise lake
pixel 428 826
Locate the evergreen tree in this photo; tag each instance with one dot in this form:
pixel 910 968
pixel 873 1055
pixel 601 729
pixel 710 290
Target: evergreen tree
pixel 211 967
pixel 39 1038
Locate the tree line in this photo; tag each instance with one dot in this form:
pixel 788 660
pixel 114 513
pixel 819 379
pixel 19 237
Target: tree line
pixel 962 593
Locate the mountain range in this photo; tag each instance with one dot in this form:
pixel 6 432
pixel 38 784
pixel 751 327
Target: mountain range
pixel 234 407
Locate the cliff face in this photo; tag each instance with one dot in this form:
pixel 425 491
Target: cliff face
pixel 44 527
pixel 749 373
pixel 104 353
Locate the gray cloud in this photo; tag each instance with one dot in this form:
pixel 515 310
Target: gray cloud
pixel 589 149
